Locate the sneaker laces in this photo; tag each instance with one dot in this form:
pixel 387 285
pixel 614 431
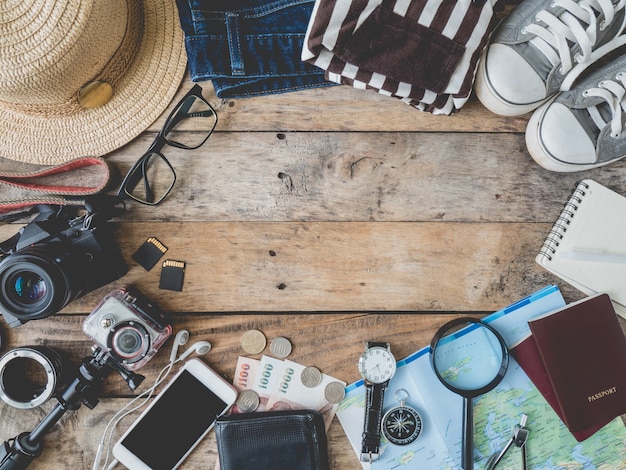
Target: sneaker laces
pixel 554 36
pixel 613 92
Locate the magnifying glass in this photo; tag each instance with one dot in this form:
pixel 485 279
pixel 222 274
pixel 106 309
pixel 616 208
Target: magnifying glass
pixel 470 358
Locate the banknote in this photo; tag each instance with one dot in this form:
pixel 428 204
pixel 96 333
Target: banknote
pixel 257 375
pixel 291 393
pixel 245 373
pixel 279 385
pixel 268 375
pixel 245 378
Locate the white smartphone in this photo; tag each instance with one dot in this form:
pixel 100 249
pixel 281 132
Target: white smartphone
pixel 178 418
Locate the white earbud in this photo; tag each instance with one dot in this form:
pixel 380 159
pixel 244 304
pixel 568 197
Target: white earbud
pixel 200 347
pixel 181 338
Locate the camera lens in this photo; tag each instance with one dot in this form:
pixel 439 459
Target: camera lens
pixel 28 287
pixel 37 282
pixel 128 341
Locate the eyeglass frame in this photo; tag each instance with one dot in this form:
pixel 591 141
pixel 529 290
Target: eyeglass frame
pixel 156 147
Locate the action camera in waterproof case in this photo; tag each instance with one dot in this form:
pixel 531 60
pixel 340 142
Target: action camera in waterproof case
pixel 128 327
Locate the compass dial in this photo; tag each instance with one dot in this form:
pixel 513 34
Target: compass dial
pixel 402 425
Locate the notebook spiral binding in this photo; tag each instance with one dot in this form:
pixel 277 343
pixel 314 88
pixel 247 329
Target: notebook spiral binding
pixel 560 227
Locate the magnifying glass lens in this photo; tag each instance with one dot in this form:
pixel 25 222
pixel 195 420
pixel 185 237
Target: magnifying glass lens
pixel 469 357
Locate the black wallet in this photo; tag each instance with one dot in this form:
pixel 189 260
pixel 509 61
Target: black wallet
pixel 271 440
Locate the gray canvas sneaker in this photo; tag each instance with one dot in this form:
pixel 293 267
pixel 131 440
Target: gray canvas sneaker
pixel 541 47
pixel 582 128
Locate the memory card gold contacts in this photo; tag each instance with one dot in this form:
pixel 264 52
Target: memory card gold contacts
pixel 149 253
pixel 172 275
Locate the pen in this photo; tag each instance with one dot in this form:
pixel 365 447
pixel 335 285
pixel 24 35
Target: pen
pixel 597 256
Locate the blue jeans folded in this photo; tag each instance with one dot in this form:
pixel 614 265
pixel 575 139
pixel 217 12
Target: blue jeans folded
pixel 249 47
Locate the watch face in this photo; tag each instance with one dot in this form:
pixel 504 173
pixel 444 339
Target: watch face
pixel 377 365
pixel 402 425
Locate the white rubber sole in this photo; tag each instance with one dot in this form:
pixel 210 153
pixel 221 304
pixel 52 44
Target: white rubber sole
pixel 495 103
pixel 541 155
pixel 492 100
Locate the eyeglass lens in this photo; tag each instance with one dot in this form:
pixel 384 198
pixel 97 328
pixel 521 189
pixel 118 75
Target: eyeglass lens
pixel 156 178
pixel 195 115
pixel 188 127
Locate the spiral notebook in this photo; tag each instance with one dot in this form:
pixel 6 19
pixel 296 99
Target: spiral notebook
pixel 587 244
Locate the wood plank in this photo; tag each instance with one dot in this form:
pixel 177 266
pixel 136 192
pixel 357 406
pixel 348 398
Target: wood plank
pixel 343 108
pixel 328 266
pixel 346 176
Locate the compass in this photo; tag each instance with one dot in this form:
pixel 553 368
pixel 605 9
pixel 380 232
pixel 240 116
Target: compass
pixel 402 424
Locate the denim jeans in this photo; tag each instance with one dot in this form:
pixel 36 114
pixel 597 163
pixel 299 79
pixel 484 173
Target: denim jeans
pixel 249 47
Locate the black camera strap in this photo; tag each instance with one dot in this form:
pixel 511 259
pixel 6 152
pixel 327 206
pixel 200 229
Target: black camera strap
pixel 100 208
pixel 103 207
pixel 7 246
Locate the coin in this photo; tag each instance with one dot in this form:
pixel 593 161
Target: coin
pixel 280 347
pixel 311 377
pixel 253 341
pixel 335 392
pixel 247 401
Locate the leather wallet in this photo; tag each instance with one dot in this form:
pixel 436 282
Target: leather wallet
pixel 270 440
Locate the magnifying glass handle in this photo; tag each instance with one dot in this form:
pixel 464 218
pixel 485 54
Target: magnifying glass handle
pixel 468 434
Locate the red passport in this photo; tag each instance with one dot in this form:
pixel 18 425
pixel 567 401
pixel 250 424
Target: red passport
pixel 576 357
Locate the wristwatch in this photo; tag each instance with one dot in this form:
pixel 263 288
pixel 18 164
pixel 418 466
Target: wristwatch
pixel 376 365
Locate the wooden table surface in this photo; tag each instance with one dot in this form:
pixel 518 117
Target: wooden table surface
pixel 331 217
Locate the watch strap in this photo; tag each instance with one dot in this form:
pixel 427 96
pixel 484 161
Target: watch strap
pixel 374 398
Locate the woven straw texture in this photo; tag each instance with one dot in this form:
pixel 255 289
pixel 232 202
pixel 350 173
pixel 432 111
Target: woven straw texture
pixel 49 49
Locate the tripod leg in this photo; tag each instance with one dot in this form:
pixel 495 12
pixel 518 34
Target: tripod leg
pixel 18 453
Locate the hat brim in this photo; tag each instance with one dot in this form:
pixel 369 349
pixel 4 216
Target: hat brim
pixel 140 97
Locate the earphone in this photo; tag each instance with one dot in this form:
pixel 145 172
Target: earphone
pixel 200 347
pixel 181 338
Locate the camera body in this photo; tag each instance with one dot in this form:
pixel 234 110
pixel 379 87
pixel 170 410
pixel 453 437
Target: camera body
pixel 53 260
pixel 128 327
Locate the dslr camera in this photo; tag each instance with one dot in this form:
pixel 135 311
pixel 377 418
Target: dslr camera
pixel 128 327
pixel 53 260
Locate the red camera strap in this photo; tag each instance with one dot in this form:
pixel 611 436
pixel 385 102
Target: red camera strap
pixel 63 184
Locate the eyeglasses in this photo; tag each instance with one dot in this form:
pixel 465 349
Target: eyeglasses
pixel 152 177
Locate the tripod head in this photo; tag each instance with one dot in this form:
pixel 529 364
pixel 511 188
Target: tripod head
pixel 17 453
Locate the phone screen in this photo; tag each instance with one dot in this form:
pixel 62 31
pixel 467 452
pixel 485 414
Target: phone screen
pixel 182 414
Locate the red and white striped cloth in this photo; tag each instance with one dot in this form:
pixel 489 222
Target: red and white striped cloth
pixel 423 52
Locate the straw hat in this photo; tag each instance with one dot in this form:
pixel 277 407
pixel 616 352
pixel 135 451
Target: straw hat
pixel 84 77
